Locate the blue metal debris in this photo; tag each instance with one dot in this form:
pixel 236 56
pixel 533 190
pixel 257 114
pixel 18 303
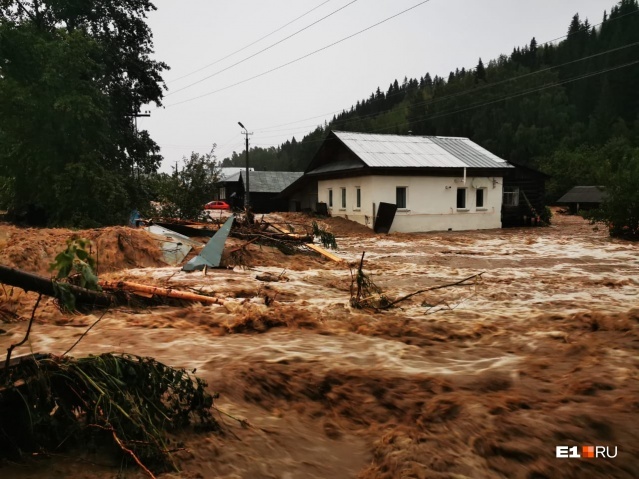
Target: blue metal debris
pixel 211 255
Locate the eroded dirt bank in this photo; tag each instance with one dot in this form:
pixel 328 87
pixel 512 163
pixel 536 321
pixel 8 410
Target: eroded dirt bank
pixel 481 381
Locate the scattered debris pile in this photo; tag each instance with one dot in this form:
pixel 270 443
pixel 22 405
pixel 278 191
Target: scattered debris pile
pixel 287 237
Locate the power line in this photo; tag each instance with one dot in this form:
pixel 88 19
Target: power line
pixel 492 84
pixel 263 50
pixel 302 57
pixel 497 100
pixel 433 101
pixel 514 95
pixel 250 44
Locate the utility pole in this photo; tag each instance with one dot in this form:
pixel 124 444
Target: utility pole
pixel 247 202
pixel 136 115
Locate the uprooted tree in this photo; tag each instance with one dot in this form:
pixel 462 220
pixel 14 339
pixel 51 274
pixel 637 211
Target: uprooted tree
pixel 73 75
pixel 365 294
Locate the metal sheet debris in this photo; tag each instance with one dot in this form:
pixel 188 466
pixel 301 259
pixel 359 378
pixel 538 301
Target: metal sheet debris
pixel 385 217
pixel 211 255
pixel 175 246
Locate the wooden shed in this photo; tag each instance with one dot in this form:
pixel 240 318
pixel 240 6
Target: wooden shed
pixel 583 198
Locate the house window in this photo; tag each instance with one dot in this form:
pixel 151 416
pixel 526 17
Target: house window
pixel 222 195
pixel 400 197
pixel 343 197
pixel 358 197
pixel 330 198
pixel 480 200
pixel 461 198
pixel 511 195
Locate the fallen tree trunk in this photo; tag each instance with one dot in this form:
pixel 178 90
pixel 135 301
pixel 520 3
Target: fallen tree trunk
pixel 42 285
pixel 246 235
pixel 145 290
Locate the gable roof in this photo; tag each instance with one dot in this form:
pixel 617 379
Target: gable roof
pixel 401 151
pixel 267 181
pixel 227 172
pixel 232 178
pixel 584 194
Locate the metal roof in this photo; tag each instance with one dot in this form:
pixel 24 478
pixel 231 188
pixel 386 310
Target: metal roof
pixel 232 178
pixel 338 166
pixel 270 181
pixel 383 151
pixel 584 194
pixel 227 171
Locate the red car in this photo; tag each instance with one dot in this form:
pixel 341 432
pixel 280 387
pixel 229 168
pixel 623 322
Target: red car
pixel 217 205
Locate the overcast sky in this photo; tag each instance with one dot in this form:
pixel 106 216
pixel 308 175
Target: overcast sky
pixel 436 36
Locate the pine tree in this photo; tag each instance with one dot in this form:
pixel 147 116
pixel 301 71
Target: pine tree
pixel 480 72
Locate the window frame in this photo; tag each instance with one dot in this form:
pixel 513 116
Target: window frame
pixel 484 192
pixel 343 198
pixel 405 197
pixel 513 193
pixel 330 197
pixel 464 206
pixel 358 198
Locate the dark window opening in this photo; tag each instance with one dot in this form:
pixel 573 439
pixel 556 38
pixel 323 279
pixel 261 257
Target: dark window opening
pixel 480 198
pixel 461 198
pixel 400 197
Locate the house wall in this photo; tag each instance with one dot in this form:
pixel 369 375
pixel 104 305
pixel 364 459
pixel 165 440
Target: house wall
pixel 305 199
pixel 431 202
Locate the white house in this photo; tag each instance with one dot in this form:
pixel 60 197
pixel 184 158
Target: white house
pixel 437 183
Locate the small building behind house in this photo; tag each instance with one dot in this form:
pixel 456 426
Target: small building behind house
pixel 583 198
pixel 264 189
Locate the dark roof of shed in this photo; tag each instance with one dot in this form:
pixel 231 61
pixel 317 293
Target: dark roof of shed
pixel 270 181
pixel 584 194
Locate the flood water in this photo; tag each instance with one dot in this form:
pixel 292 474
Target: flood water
pixel 481 380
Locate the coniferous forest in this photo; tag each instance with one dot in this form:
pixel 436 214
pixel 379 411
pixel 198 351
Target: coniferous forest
pixel 569 108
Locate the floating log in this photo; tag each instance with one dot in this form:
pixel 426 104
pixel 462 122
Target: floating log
pixel 148 291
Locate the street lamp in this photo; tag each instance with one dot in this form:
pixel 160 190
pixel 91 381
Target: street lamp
pixel 246 189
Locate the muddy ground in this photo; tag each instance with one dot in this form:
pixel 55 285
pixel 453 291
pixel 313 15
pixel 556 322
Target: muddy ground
pixel 478 381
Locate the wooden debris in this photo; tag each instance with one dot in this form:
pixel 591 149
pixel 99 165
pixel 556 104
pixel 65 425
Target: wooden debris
pixel 464 282
pixel 150 291
pixel 310 245
pixel 323 252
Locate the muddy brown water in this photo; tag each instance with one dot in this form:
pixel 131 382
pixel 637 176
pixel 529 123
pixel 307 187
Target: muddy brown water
pixel 477 381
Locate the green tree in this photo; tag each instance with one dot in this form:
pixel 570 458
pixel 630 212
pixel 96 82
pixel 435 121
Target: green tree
pixel 72 75
pixel 184 193
pixel 480 72
pixel 620 209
